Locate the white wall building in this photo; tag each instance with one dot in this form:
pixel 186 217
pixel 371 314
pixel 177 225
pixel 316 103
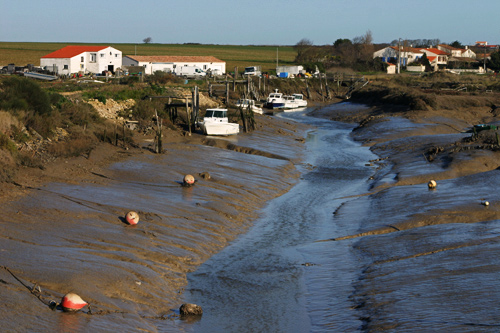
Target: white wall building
pixel 169 64
pixel 406 54
pixel 80 58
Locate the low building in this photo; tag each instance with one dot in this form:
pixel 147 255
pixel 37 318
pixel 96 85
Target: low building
pixel 406 54
pixel 289 71
pixel 82 59
pixel 152 64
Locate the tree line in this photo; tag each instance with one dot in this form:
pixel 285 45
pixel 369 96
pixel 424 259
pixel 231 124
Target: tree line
pixel 356 54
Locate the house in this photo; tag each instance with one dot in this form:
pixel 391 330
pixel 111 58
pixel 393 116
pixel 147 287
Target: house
pixel 406 54
pixel 82 59
pixel 457 52
pixel 168 64
pixel 437 58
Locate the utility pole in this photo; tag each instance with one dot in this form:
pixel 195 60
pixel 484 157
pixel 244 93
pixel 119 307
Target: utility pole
pixel 485 43
pixel 399 56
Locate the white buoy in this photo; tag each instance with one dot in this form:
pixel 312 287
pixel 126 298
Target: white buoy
pixel 432 184
pixel 486 203
pixel 132 218
pixel 189 180
pixel 72 302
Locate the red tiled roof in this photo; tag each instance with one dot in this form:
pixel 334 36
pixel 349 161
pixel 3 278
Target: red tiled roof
pixel 436 51
pixel 174 58
pixel 449 47
pixel 408 49
pixel 71 51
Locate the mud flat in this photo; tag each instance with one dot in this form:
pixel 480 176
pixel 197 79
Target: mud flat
pixel 429 257
pixel 64 230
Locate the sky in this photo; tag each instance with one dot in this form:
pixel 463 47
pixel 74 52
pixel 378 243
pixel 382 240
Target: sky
pixel 249 22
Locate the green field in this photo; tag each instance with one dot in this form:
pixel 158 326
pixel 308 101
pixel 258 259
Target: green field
pixel 239 56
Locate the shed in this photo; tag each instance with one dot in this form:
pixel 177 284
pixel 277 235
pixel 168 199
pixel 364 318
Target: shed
pixel 168 64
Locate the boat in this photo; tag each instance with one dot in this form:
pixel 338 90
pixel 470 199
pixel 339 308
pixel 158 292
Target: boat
pixel 216 122
pixel 275 100
pixel 245 103
pixel 294 101
pixel 300 100
pixel 40 76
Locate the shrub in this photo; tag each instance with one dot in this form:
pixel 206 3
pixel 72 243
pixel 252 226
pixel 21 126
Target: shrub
pixel 75 146
pixel 24 94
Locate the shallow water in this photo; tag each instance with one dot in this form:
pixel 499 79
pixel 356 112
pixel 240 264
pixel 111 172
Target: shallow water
pixel 277 278
pixel 406 259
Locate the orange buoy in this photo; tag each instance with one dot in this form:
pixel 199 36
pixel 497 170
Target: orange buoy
pixel 432 184
pixel 72 302
pixel 132 218
pixel 189 180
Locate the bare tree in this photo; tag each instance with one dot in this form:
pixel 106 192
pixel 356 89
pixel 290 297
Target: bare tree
pixel 302 47
pixel 147 40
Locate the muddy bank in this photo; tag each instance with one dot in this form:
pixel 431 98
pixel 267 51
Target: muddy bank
pixel 64 227
pixel 426 255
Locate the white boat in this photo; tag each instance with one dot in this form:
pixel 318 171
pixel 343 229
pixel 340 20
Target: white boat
pixel 295 101
pixel 300 100
pixel 216 122
pixel 275 100
pixel 245 103
pixel 290 102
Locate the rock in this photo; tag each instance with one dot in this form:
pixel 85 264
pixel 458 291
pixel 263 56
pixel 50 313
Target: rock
pixel 188 309
pixel 205 175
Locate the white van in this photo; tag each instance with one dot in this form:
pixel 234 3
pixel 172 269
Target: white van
pixel 189 72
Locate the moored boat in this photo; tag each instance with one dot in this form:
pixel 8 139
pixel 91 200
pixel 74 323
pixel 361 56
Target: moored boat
pixel 216 122
pixel 246 103
pixel 275 100
pixel 300 100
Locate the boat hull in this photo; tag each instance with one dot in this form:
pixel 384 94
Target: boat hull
pixel 223 129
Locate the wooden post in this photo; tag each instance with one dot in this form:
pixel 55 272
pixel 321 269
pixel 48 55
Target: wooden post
pixel 307 90
pixel 227 93
pixel 326 87
pixel 188 116
pixel 321 86
pixel 197 104
pixel 243 118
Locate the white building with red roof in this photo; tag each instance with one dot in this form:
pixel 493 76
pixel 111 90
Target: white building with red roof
pixel 436 57
pixel 169 64
pixel 82 59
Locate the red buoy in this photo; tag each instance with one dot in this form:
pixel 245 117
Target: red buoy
pixel 132 218
pixel 72 302
pixel 189 180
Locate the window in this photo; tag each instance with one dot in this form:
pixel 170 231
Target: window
pixel 93 57
pixel 116 55
pixel 102 55
pixel 65 66
pixel 81 59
